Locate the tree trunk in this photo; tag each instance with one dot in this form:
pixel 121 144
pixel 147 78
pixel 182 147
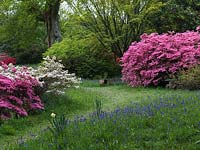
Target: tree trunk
pixel 52 23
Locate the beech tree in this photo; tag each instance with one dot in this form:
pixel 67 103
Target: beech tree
pixel 46 11
pixel 40 11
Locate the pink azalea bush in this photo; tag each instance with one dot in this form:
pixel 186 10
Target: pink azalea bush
pixel 6 59
pixel 152 60
pixel 17 94
pixel 20 87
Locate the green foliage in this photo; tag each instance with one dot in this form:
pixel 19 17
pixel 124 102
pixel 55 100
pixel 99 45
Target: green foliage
pixel 98 105
pixel 90 83
pixel 115 23
pixel 23 35
pixel 7 130
pixel 82 54
pixel 189 79
pixel 176 15
pixel 58 124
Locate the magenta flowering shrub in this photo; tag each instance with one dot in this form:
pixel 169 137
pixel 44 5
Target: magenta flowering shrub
pixel 6 59
pixel 17 92
pixel 155 57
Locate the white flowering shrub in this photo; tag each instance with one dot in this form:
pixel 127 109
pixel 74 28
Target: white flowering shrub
pixel 18 73
pixel 55 79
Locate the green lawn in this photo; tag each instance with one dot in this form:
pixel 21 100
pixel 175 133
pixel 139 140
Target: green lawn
pixel 82 102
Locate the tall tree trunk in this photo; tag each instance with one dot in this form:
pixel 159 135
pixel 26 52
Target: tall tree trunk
pixel 52 22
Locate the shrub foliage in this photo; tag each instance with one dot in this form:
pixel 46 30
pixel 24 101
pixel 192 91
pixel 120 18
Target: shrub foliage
pixel 85 58
pixel 155 57
pixel 187 79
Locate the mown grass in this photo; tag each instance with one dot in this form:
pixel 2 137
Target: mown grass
pixel 81 102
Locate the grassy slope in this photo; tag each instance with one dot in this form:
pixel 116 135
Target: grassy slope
pixel 79 101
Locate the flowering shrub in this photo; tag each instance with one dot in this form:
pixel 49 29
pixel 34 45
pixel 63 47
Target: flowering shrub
pixel 17 95
pixel 7 59
pixel 155 57
pixel 54 77
pixel 20 87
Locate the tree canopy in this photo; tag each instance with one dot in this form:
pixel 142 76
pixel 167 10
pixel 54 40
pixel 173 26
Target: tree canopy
pixel 28 28
pixel 115 23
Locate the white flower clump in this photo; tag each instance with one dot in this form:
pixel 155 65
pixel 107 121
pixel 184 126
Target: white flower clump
pixel 53 115
pixel 18 72
pixel 11 71
pixel 55 78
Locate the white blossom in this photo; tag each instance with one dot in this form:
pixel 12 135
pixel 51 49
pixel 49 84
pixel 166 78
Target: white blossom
pixel 51 72
pixel 53 115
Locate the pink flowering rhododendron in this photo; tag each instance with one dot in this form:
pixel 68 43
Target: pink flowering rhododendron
pixel 198 28
pixel 6 59
pixel 155 57
pixel 20 87
pixel 17 92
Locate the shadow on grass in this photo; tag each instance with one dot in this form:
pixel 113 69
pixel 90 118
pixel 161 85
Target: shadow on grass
pixel 73 102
